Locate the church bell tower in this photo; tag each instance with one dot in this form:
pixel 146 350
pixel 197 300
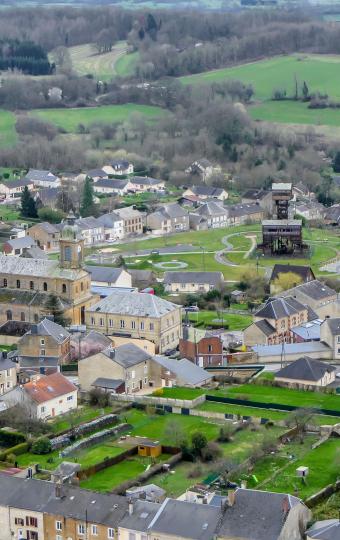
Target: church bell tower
pixel 71 244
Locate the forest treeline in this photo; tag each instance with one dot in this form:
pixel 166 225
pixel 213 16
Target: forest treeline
pixel 25 56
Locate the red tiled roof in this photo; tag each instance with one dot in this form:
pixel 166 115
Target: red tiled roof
pixel 49 387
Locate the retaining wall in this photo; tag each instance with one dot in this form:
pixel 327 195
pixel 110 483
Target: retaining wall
pixel 155 400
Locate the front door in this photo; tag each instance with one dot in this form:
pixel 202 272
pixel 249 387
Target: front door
pixel 82 315
pixel 140 384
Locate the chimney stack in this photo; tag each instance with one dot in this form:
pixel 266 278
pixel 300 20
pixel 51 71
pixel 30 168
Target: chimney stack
pixel 112 353
pixel 130 507
pixel 231 497
pixel 58 490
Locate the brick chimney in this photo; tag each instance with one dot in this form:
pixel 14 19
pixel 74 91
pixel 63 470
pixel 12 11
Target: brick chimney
pixel 231 497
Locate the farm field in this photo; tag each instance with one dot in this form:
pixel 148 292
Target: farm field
pixel 8 135
pixel 86 60
pixel 69 119
pixel 292 112
pixel 125 64
pixel 321 73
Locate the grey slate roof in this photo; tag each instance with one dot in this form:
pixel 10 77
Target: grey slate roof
pixel 31 362
pixel 277 308
pixel 104 273
pixel 36 268
pixel 138 304
pixel 34 253
pixel 108 220
pixel 329 529
pixel 255 515
pixel 119 164
pixel 265 327
pixel 314 289
pixel 49 227
pixel 213 209
pixel 41 175
pixel 145 181
pixel 305 369
pixel 282 222
pixel 20 243
pixel 187 372
pixel 302 271
pixel 333 325
pixel 207 191
pixel 49 328
pixel 212 278
pixel 6 363
pixel 291 348
pixel 109 384
pixel 96 173
pixel 244 209
pixel 110 183
pixel 255 194
pixel 173 210
pixel 127 355
pixel 143 514
pixel 17 183
pixel 186 520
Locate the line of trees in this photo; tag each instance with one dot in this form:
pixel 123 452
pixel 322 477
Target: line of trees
pixel 26 56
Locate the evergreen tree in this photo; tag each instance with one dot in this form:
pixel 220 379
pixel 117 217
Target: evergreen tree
pixel 336 162
pixel 88 207
pixel 53 306
pixel 305 91
pixel 28 206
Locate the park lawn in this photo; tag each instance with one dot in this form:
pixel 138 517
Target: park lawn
pixel 323 470
pixel 155 427
pixel 8 134
pixel 8 212
pixel 126 64
pixel 234 321
pixel 321 73
pixel 111 477
pixel 85 413
pixel 282 396
pixel 69 119
pixel 178 392
pixel 240 242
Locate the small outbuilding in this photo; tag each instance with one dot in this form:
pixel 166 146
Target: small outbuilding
pixel 150 449
pixel 307 372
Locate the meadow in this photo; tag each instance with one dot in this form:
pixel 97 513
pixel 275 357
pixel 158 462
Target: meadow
pixel 69 119
pixel 8 135
pixel 320 72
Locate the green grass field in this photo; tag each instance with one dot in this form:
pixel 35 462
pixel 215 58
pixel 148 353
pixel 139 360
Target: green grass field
pixel 8 135
pixel 234 321
pixel 86 60
pixel 320 72
pixel 125 64
pixel 69 119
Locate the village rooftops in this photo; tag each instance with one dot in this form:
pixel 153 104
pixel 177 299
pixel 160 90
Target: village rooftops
pixel 47 327
pixel 278 308
pixel 212 208
pixel 207 191
pixel 108 220
pixel 244 209
pixel 291 348
pixel 305 369
pixel 12 184
pixel 189 374
pixel 6 363
pixel 179 519
pixel 304 272
pixel 309 331
pixel 119 164
pixel 145 180
pixel 111 183
pixel 256 515
pixel 255 194
pixel 313 289
pixel 37 268
pixel 127 355
pixel 136 304
pixel 173 210
pixel 265 327
pixel 329 529
pixel 41 176
pixel 104 273
pixel 281 186
pixel 143 513
pixel 21 242
pixel 49 387
pixel 212 278
pixel 96 173
pixel 333 325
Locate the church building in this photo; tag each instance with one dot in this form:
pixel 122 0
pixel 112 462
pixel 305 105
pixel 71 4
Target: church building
pixel 25 284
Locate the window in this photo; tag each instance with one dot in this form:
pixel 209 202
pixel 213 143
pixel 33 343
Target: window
pixel 172 320
pixel 133 325
pixel 64 288
pixel 45 286
pixel 110 533
pixel 9 315
pixel 42 409
pixel 133 386
pixel 167 340
pixel 69 398
pixel 182 285
pixel 167 322
pixel 152 326
pixel 31 521
pixel 42 341
pixel 22 316
pixel 18 283
pixel 145 380
pixel 133 374
pixel 92 320
pixel 81 528
pixel 142 325
pixel 67 254
pixel 42 352
pixel 101 322
pixel 36 317
pixel 94 530
pixel 31 285
pixel 5 282
pixel 8 372
pixel 32 535
pixel 283 324
pixel 122 323
pixel 82 286
pixel 19 521
pixel 58 537
pixel 58 526
pixel 338 339
pixel 132 536
pixel 172 337
pixel 110 322
pixel 209 348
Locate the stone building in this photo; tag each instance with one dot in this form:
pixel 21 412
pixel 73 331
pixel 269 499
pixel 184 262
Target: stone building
pixel 137 315
pixel 25 284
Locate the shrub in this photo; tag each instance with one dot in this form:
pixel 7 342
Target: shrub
pixel 16 450
pixel 195 472
pixel 158 393
pixel 11 458
pixel 41 446
pixel 226 433
pixel 211 451
pixel 11 438
pixel 198 441
pixel 98 397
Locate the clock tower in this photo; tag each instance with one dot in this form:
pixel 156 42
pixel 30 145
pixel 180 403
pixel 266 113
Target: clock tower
pixel 71 244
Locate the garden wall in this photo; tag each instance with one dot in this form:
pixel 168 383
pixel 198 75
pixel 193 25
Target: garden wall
pixel 153 400
pixel 9 340
pixel 324 493
pixel 93 469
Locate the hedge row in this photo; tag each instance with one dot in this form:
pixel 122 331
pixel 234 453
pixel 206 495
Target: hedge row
pixel 17 450
pixel 10 438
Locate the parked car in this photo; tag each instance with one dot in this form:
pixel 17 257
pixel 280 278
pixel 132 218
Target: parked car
pixel 192 308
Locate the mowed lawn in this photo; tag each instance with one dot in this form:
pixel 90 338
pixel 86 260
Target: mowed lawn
pixel 69 119
pixel 283 396
pixel 8 135
pixel 321 73
pixel 125 64
pixel 234 321
pixel 86 60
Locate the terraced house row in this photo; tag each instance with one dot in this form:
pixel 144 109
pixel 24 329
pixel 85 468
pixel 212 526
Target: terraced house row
pixel 39 510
